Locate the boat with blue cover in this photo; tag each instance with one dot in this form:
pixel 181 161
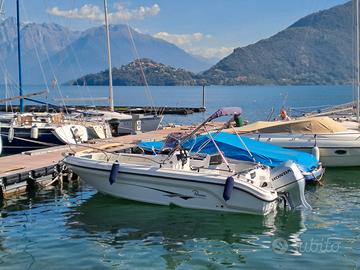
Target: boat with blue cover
pixel 204 181
pixel 245 149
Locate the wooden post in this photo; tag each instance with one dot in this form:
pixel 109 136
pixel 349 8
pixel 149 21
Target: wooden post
pixel 203 97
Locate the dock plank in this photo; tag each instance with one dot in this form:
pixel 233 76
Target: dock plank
pixel 28 161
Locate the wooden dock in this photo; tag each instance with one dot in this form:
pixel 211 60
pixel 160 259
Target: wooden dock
pixel 121 109
pixel 21 171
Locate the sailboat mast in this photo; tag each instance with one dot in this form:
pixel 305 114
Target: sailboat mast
pixel 22 109
pixel 111 95
pixel 6 91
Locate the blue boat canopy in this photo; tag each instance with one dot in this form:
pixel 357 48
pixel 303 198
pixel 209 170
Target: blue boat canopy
pixel 233 148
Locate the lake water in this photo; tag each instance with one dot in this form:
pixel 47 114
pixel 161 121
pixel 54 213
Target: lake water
pixel 256 101
pixel 77 228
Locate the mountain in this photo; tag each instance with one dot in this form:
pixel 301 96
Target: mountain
pixel 131 74
pixel 50 50
pixel 317 49
pixel 91 54
pixel 38 43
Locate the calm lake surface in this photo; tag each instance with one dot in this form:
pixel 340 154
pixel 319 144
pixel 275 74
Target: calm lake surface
pixel 78 228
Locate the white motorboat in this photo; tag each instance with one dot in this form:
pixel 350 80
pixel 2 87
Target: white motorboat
pixel 335 144
pixel 122 123
pixel 199 182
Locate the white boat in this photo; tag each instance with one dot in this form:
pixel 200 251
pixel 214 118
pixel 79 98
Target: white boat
pixel 334 144
pixel 122 123
pixel 31 131
pixel 71 134
pixel 199 182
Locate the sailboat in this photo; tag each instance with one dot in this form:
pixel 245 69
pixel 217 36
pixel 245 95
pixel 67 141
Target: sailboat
pixel 22 132
pixel 122 123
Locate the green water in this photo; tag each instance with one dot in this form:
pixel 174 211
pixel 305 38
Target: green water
pixel 77 228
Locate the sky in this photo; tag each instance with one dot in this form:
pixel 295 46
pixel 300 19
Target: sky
pixel 207 28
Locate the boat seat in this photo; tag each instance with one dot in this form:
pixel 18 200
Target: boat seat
pixel 206 162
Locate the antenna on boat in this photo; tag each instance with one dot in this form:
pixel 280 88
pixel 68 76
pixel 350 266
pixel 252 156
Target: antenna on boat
pixel 111 95
pixel 22 108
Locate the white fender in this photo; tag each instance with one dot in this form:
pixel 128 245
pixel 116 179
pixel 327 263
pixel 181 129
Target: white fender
pixel 11 134
pixel 34 134
pixel 316 152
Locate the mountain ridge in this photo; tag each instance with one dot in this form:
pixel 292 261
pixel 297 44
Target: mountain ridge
pixel 131 74
pixel 50 50
pixel 316 49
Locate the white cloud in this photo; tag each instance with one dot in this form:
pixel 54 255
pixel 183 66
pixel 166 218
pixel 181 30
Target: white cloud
pixel 124 14
pixel 182 39
pixel 211 53
pixel 89 12
pixel 196 43
pixel 95 13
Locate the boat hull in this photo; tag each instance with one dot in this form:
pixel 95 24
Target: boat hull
pixel 330 157
pixel 341 150
pixel 163 187
pixel 146 123
pixel 23 142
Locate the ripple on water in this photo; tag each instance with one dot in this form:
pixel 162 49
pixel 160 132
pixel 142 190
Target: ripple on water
pixel 78 228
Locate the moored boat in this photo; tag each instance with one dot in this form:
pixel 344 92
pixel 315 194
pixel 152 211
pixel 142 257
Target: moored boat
pixel 28 131
pixel 242 148
pixel 332 142
pixel 245 188
pixel 200 182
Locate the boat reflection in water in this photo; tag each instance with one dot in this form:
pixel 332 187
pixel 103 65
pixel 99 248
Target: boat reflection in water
pixel 182 233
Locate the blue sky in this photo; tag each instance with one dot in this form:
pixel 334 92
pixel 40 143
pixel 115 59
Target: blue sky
pixel 210 28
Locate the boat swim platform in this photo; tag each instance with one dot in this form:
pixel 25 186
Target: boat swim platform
pixel 40 167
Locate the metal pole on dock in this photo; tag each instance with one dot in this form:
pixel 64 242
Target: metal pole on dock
pixel 111 95
pixel 203 96
pixel 22 109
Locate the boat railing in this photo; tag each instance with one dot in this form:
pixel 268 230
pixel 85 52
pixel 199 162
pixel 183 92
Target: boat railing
pixel 302 136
